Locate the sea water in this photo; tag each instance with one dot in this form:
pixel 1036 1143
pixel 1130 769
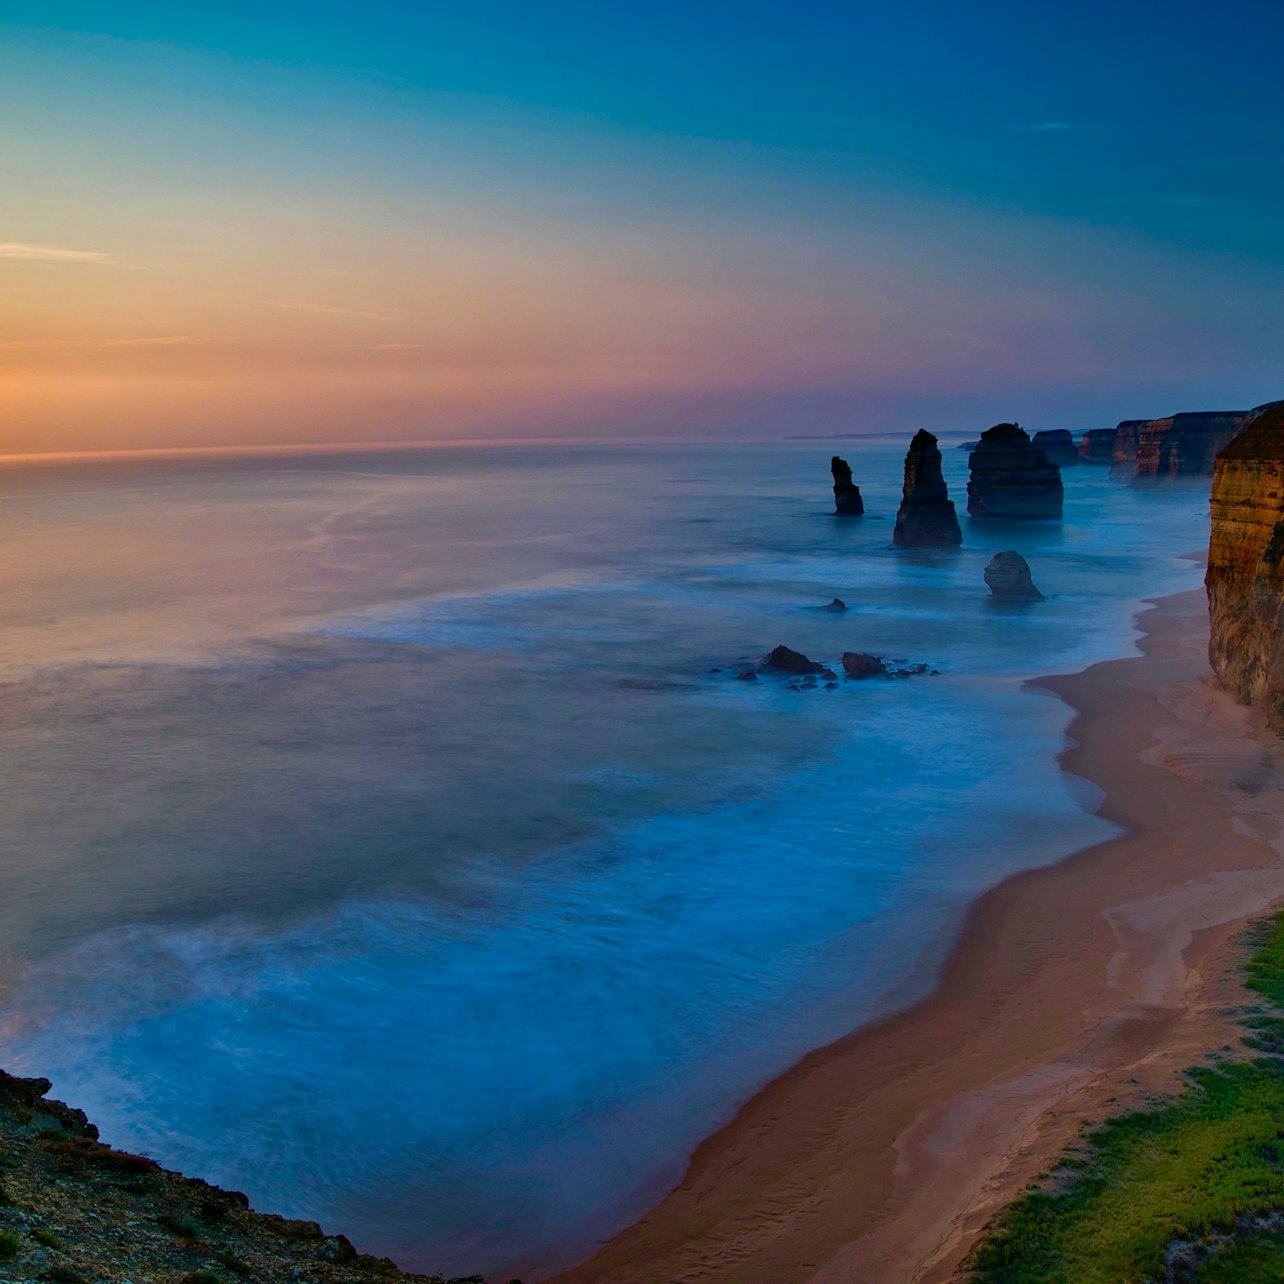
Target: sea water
pixel 387 835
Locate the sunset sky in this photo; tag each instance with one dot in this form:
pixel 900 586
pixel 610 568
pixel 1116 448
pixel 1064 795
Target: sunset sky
pixel 283 222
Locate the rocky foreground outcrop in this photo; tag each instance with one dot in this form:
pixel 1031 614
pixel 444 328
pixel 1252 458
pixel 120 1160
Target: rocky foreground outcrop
pixel 1185 445
pixel 926 517
pixel 1008 575
pixel 847 500
pixel 72 1209
pixel 1245 577
pixel 1097 445
pixel 1059 446
pixel 1011 478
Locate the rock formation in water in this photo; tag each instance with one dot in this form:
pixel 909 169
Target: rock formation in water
pixel 1245 577
pixel 857 664
pixel 836 605
pixel 847 500
pixel 784 660
pixel 1097 445
pixel 1011 478
pixel 1185 445
pixel 1008 575
pixel 926 517
pixel 1123 458
pixel 1058 445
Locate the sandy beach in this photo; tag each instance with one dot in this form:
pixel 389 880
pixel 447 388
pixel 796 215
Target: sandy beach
pixel 1071 990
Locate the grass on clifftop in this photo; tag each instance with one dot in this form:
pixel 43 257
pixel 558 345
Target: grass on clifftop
pixel 1190 1189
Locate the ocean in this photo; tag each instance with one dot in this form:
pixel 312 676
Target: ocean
pixel 385 833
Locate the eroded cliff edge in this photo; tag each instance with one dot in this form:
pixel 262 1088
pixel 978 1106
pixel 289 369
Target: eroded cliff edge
pixel 75 1210
pixel 1245 577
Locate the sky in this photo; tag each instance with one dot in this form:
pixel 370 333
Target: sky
pixel 253 224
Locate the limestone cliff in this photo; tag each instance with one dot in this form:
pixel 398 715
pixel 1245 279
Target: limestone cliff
pixel 1097 445
pixel 847 500
pixel 1012 478
pixel 926 517
pixel 1123 458
pixel 1186 445
pixel 1245 577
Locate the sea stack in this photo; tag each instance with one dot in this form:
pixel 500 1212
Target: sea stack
pixel 1097 445
pixel 1185 445
pixel 1008 575
pixel 1012 478
pixel 926 517
pixel 1058 445
pixel 847 500
pixel 1245 578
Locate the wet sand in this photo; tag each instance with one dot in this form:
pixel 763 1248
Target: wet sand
pixel 1070 991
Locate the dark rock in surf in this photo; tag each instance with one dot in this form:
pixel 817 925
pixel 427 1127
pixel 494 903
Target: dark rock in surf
pixel 784 660
pixel 857 664
pixel 836 605
pixel 926 517
pixel 847 500
pixel 1011 478
pixel 1008 575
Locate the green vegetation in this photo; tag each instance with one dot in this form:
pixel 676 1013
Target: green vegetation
pixel 9 1245
pixel 64 1275
pixel 1192 1186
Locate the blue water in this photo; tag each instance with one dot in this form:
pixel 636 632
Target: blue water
pixel 389 838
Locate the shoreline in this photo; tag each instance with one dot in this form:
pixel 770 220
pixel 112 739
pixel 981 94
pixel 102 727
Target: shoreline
pixel 1070 988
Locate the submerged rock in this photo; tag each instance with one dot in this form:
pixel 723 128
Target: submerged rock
pixel 1011 478
pixel 1245 577
pixel 926 517
pixel 836 605
pixel 1058 445
pixel 847 500
pixel 1097 445
pixel 1008 575
pixel 784 660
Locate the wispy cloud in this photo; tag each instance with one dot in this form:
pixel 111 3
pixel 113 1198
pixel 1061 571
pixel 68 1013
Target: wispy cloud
pixel 1045 127
pixel 143 341
pixel 55 254
pixel 371 314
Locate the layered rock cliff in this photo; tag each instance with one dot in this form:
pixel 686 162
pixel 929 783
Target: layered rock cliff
pixel 1012 478
pixel 1123 458
pixel 1186 445
pixel 926 517
pixel 1245 577
pixel 847 500
pixel 1058 445
pixel 1097 445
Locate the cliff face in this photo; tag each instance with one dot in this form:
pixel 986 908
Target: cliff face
pixel 1097 446
pixel 1186 445
pixel 1012 478
pixel 1123 458
pixel 1058 445
pixel 1245 578
pixel 847 500
pixel 926 517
